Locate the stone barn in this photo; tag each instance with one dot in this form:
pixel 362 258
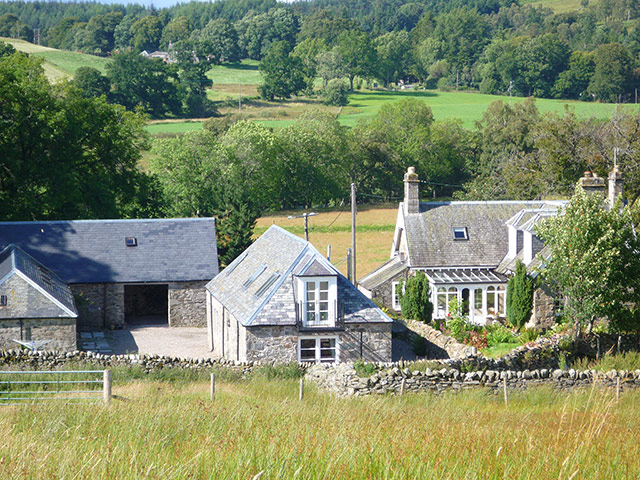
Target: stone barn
pixel 126 271
pixel 282 301
pixel 36 306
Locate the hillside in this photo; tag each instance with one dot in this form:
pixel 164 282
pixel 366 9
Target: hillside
pixel 59 64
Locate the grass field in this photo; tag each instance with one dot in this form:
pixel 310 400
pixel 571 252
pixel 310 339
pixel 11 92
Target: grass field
pixel 59 64
pixel 558 6
pixel 258 429
pixel 374 233
pixel 172 127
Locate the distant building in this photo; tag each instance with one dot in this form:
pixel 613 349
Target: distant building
pixel 281 300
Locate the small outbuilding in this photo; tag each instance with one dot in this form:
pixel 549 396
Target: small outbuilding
pixel 36 306
pixel 282 301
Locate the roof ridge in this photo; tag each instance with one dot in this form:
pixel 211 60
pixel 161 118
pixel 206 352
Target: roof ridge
pixel 110 220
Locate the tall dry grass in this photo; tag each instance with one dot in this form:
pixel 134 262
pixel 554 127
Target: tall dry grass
pixel 168 430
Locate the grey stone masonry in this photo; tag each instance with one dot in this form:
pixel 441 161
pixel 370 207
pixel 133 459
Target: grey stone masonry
pixel 342 379
pixel 411 192
pixel 23 299
pixel 543 314
pixel 187 304
pixel 100 305
pixel 448 346
pixel 371 342
pixel 61 332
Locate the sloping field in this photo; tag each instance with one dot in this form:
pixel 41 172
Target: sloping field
pixel 374 233
pixel 558 6
pixel 59 63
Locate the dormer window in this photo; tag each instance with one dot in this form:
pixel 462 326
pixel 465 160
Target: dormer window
pixel 131 241
pixel 460 233
pixel 318 301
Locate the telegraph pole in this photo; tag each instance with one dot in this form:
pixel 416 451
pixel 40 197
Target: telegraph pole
pixel 353 232
pixel 306 222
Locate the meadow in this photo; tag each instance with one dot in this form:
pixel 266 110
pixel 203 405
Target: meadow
pixel 258 428
pixel 375 225
pixel 59 64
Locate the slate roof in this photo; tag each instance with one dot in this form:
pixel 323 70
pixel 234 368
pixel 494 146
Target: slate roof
pixel 13 259
pixel 94 251
pixel 384 272
pixel 276 258
pixel 430 233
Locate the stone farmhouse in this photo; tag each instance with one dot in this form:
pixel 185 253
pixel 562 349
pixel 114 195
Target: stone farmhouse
pixel 35 304
pixel 124 271
pixel 467 250
pixel 281 300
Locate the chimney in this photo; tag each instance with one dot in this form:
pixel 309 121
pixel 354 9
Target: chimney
pixel 615 185
pixel 592 183
pixel 411 192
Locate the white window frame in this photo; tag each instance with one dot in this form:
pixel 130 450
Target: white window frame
pixel 332 300
pixel 395 299
pixel 317 349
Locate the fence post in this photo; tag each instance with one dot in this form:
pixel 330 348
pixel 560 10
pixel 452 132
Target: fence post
pixel 301 388
pixel 618 390
pixel 402 385
pixel 107 386
pixel 213 386
pixel 504 386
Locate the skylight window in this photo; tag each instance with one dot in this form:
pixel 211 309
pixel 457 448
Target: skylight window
pixel 131 241
pixel 460 233
pixel 234 264
pixel 254 276
pixel 265 286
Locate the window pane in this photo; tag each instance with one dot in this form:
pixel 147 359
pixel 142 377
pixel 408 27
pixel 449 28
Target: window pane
pixel 308 343
pixel 477 310
pixel 311 317
pixel 327 343
pixel 308 355
pixel 501 302
pixel 311 296
pixel 324 285
pixel 324 296
pixel 491 302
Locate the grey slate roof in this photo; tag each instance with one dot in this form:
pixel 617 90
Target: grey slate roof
pixel 281 255
pixel 13 259
pixel 384 272
pixel 94 251
pixel 430 233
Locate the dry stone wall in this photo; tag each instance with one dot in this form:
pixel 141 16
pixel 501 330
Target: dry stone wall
pixel 342 379
pixel 187 304
pixel 439 345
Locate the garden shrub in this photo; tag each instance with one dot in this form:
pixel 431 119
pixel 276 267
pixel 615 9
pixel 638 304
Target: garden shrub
pixel 498 333
pixel 415 300
pixel 529 335
pixel 364 369
pixel 519 296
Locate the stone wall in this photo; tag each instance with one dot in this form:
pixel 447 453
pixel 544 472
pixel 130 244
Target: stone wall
pixel 371 342
pixel 60 331
pixel 100 305
pixel 543 314
pixel 439 345
pixel 187 304
pixel 383 293
pixel 26 301
pixel 342 379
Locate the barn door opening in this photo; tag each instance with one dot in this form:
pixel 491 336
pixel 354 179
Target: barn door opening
pixel 146 304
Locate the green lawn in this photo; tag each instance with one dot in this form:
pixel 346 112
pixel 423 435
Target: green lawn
pixel 466 106
pixel 245 73
pixel 558 6
pixel 499 350
pixel 59 63
pixel 173 127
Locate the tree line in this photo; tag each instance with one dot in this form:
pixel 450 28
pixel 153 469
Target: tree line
pixel 494 46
